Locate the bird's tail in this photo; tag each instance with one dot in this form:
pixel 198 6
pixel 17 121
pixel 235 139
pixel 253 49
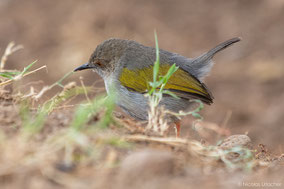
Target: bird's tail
pixel 203 64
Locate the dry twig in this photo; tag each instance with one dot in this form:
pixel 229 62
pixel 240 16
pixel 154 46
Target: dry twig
pixel 10 49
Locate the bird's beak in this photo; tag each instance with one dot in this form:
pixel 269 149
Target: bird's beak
pixel 83 67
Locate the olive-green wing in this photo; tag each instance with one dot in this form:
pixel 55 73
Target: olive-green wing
pixel 181 83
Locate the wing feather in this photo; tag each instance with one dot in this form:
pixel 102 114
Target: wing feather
pixel 181 83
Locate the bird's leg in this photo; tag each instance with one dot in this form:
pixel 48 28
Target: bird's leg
pixel 177 128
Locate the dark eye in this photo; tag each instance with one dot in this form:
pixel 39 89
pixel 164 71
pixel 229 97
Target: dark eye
pixel 99 63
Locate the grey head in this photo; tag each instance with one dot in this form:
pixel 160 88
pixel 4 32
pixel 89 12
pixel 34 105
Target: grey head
pixel 104 58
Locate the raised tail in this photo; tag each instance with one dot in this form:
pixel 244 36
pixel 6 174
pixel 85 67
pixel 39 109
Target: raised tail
pixel 202 65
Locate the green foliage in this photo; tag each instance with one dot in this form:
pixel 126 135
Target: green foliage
pixel 157 90
pixel 194 112
pixel 117 142
pixel 64 95
pixel 14 75
pixel 31 123
pixel 84 111
pixel 244 158
pixel 9 75
pixel 159 82
pixel 27 68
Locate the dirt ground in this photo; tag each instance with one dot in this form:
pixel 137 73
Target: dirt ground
pixel 124 156
pixel 246 82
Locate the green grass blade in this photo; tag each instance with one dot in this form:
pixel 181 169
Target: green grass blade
pixel 170 93
pixel 8 75
pixel 26 69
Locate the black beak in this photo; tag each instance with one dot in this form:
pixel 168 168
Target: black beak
pixel 83 67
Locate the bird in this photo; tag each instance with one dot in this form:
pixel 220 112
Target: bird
pixel 127 67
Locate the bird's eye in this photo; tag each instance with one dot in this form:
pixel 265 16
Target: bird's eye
pixel 99 63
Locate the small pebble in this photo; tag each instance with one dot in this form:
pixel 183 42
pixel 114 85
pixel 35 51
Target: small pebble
pixel 236 140
pixel 65 167
pixel 242 141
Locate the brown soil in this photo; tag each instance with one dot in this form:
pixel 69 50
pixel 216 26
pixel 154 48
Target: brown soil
pixel 145 161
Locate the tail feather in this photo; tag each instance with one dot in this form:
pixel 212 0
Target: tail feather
pixel 203 64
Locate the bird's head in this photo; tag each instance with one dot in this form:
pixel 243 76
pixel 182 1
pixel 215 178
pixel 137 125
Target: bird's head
pixel 105 57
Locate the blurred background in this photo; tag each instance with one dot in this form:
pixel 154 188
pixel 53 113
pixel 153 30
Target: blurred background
pixel 246 81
